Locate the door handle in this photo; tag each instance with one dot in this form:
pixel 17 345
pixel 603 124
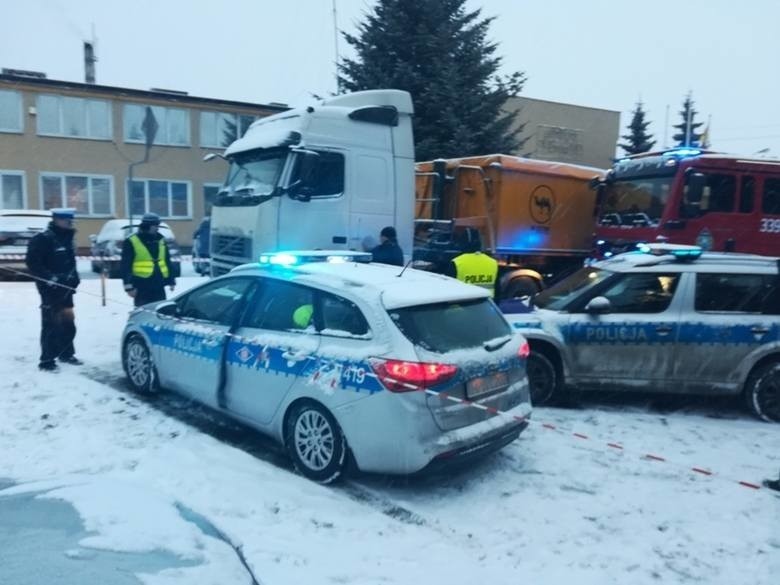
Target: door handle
pixel 294 356
pixel 759 329
pixel 663 329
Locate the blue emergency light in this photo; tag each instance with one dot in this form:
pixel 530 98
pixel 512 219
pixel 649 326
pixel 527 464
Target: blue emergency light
pixel 679 252
pixel 297 257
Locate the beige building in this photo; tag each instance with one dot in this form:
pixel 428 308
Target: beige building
pixel 65 144
pixel 565 132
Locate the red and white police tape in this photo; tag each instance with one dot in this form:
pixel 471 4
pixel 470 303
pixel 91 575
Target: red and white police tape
pixel 184 258
pixel 598 443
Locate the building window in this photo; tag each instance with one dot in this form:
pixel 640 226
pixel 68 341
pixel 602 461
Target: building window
pixel 173 125
pixel 220 129
pixel 90 195
pixel 169 199
pixel 12 190
pixel 74 117
pixel 209 196
pixel 10 111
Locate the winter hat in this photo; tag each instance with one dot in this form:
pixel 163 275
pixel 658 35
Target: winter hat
pixel 389 233
pixel 63 213
pixel 150 219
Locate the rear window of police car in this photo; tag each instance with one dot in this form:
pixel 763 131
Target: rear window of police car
pixel 443 327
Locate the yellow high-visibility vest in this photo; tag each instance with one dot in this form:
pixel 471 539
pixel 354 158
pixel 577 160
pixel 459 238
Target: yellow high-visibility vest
pixel 478 269
pixel 143 263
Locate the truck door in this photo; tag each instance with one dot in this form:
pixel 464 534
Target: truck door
pixel 372 199
pixel 316 214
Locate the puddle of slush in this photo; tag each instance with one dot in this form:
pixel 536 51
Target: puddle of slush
pixel 39 543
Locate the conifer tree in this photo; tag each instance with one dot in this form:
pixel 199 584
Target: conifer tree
pixel 439 52
pixel 638 140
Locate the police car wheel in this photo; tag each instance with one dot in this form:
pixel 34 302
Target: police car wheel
pixel 543 378
pixel 138 365
pixel 315 443
pixel 762 392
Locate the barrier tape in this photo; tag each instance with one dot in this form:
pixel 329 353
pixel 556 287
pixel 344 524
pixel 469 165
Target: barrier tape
pixel 650 457
pixel 183 258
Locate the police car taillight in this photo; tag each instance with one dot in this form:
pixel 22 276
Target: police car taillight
pixel 403 376
pixel 524 351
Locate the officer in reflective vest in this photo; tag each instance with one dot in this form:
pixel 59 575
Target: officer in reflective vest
pixel 146 263
pixel 473 266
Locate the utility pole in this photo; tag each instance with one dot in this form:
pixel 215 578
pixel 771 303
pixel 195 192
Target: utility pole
pixel 666 128
pixel 150 127
pixel 336 45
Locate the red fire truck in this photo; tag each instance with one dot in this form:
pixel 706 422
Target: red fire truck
pixel 689 196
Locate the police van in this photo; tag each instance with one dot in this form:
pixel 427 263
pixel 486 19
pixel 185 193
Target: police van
pixel 341 361
pixel 666 318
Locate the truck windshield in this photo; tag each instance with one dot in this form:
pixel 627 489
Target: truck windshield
pixel 635 202
pixel 558 296
pixel 252 177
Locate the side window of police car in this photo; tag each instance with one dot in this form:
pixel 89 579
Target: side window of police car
pixel 217 302
pixel 738 293
pixel 641 293
pixel 281 306
pixel 342 318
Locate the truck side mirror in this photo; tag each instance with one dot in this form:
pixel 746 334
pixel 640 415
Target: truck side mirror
pixel 696 183
pixel 307 165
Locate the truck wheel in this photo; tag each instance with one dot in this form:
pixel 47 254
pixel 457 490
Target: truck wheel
pixel 762 392
pixel 316 443
pixel 543 378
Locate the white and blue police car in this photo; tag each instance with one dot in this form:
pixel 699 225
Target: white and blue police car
pixel 665 318
pixel 340 360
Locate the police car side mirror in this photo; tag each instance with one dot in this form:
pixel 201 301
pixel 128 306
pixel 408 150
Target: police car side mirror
pixel 167 309
pixel 598 306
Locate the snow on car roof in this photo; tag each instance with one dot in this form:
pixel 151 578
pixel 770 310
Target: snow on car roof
pixel 397 290
pixel 709 261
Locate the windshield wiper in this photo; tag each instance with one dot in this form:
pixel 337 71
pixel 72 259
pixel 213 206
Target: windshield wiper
pixel 497 343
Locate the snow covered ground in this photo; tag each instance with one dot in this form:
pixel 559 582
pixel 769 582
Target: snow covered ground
pixel 550 508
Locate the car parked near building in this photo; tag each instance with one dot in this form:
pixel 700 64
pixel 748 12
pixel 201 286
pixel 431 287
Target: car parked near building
pixel 17 227
pixel 107 245
pixel 341 361
pixel 664 319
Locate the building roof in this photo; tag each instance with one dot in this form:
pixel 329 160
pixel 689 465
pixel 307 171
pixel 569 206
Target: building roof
pixel 155 94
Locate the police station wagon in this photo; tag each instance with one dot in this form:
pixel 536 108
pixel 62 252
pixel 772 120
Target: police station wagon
pixel 664 319
pixel 341 361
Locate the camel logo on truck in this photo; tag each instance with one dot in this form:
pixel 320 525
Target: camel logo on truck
pixel 542 204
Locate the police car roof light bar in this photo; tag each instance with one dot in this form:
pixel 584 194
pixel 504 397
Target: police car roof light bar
pixel 297 257
pixel 678 251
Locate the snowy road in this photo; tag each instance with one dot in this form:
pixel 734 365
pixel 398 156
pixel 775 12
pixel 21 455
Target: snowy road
pixel 550 508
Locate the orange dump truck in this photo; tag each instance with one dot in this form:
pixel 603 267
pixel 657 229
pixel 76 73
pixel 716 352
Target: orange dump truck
pixel 536 217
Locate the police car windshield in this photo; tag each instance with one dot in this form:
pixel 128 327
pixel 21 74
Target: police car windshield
pixel 558 296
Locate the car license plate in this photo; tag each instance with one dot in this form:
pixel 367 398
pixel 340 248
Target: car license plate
pixel 486 384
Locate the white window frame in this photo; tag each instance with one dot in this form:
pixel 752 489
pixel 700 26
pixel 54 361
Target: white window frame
pixel 61 120
pixel 145 181
pixel 20 116
pixel 63 202
pixel 237 119
pixel 24 185
pixel 162 126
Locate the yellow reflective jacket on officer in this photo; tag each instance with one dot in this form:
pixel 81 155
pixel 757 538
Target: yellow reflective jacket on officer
pixel 478 269
pixel 143 263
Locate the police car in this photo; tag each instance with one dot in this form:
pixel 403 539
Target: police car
pixel 341 361
pixel 665 318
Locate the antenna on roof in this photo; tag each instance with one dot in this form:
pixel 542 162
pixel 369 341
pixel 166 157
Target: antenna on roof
pixel 90 58
pixel 400 274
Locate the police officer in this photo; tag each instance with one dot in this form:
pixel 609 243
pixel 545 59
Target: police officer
pixel 146 263
pixel 388 251
pixel 52 260
pixel 473 266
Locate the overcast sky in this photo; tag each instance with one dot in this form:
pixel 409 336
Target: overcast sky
pixel 598 53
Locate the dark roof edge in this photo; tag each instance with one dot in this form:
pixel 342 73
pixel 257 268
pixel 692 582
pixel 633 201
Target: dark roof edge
pixel 108 89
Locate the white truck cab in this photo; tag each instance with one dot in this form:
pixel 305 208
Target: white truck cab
pixel 327 176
